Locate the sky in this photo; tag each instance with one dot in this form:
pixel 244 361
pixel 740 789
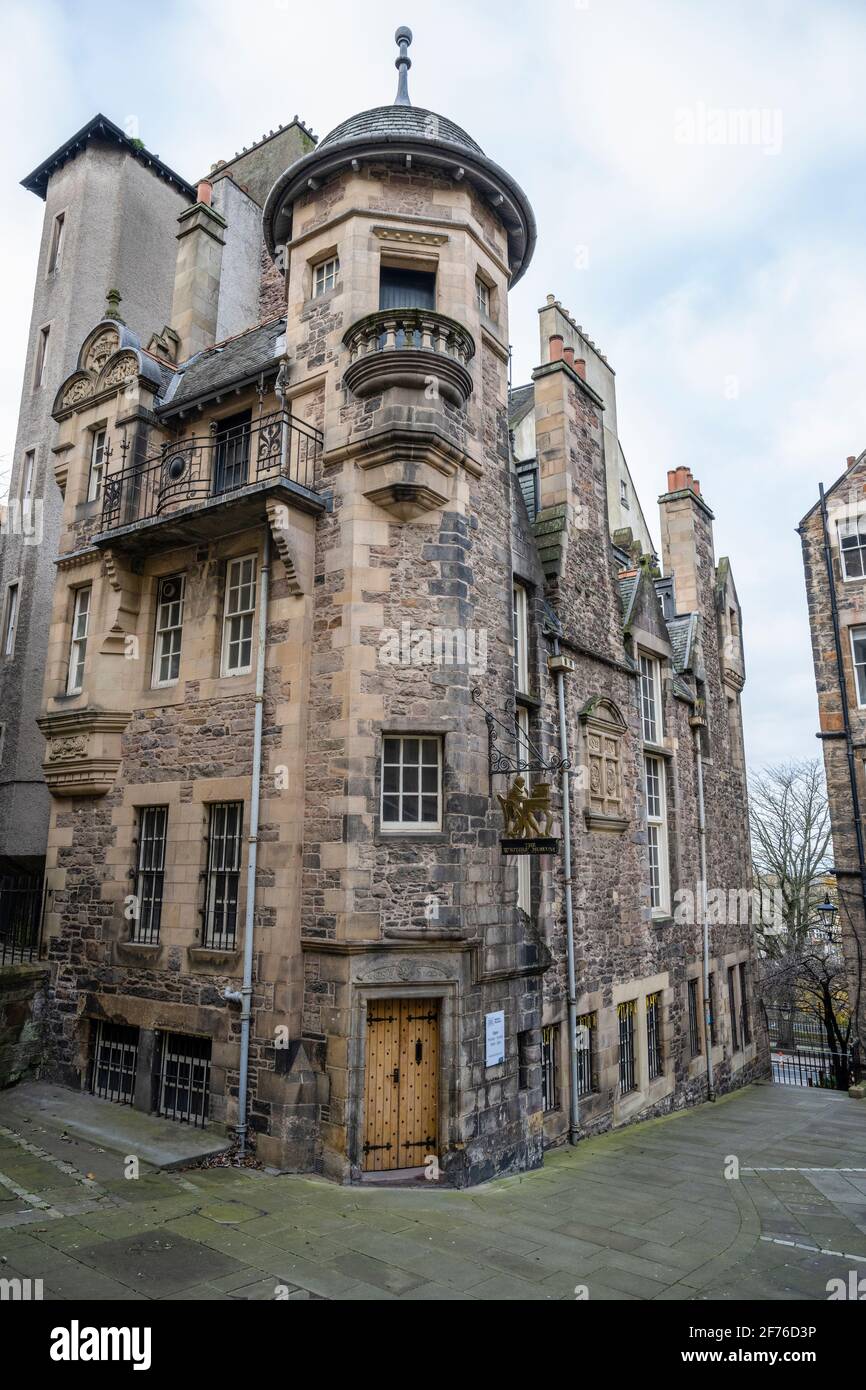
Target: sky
pixel 696 172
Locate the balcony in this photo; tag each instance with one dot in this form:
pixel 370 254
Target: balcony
pixel 197 486
pixel 409 348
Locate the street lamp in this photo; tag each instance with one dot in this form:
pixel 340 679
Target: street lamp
pixel 828 911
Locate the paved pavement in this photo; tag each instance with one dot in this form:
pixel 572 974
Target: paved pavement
pixel 645 1213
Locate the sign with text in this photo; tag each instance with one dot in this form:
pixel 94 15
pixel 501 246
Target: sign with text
pixel 494 1032
pixel 543 844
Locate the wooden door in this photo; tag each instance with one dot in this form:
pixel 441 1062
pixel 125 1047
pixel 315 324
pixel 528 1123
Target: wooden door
pixel 402 1093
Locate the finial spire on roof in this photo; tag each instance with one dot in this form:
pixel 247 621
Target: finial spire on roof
pixel 112 302
pixel 403 37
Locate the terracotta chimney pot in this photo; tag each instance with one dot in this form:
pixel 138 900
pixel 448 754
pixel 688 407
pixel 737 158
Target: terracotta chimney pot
pixel 204 191
pixel 556 347
pixel 568 355
pixel 580 367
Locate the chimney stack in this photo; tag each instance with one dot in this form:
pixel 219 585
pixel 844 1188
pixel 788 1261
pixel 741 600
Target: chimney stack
pixel 687 542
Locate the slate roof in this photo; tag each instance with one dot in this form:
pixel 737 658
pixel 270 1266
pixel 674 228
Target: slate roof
pixel 385 121
pixel 231 363
pixel 682 630
pixel 101 128
pixel 627 584
pixel 520 400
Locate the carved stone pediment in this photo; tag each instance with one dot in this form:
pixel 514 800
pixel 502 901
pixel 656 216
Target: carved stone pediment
pixel 100 350
pixel 404 970
pixel 83 754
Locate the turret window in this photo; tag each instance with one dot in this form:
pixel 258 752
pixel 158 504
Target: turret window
pixel 97 465
pixel 56 243
pixel 406 289
pixel 412 783
pixel 10 623
pixel 482 296
pixel 78 645
pixel 325 275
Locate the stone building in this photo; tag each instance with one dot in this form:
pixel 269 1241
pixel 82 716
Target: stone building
pixel 324 595
pixel 833 536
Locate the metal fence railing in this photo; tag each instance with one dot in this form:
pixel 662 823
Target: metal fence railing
pixel 802 1055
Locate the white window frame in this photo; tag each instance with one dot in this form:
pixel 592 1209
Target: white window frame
pixel 401 825
pixel 845 530
pixel 520 636
pixel 11 610
pixel 482 296
pixel 78 639
pixel 650 699
pixel 55 253
pixel 858 634
pixel 169 621
pixel 325 275
pixel 28 476
pixel 657 833
pixel 41 356
pixel 239 614
pixel 97 464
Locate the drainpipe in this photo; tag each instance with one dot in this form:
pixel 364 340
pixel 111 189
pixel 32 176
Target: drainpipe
pixel 702 908
pixel 247 987
pixel 573 1102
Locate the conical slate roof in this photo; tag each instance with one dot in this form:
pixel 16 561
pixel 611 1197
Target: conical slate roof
pixel 411 121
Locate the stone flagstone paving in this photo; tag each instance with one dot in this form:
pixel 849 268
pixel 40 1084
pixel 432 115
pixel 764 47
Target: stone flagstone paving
pixel 644 1213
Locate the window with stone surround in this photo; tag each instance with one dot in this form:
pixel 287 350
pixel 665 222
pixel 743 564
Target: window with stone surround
pixel 482 296
pixel 852 547
pixel 239 617
pixel 169 630
pixel 41 357
pixel 97 465
pixel 604 729
pixel 150 873
pixel 224 844
pixel 10 618
pixel 28 477
pixel 858 656
pixel 745 1016
pixel 56 252
pixel 411 783
pixel 732 1006
pixel 657 833
pixel 520 637
pixel 78 641
pixel 325 275
pixel 650 699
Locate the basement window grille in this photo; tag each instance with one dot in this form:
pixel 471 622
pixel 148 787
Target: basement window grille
pixel 654 1034
pixel 550 1067
pixel 627 1078
pixel 184 1082
pixel 694 1019
pixel 115 1058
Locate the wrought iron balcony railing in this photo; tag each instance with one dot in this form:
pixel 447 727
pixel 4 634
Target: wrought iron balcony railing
pixel 203 469
pixel 409 347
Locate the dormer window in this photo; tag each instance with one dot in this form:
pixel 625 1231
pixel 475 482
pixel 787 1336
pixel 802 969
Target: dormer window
pixel 852 545
pixel 651 725
pixel 325 275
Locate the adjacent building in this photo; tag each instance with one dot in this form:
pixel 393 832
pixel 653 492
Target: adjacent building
pixel 332 616
pixel 833 536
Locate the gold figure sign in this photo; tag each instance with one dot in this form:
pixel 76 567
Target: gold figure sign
pixel 523 809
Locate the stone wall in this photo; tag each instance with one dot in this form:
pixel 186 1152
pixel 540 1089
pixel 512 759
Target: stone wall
pixel 23 995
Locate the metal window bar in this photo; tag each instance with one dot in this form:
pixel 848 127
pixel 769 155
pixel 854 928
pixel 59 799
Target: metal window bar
pixel 150 878
pixel 223 875
pixel 21 908
pixel 585 1029
pixel 115 1058
pixel 694 1019
pixel 654 1035
pixel 627 1077
pixel 549 1067
pixel 232 459
pixel 745 1016
pixel 184 1082
pixel 711 999
pixel 732 1004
